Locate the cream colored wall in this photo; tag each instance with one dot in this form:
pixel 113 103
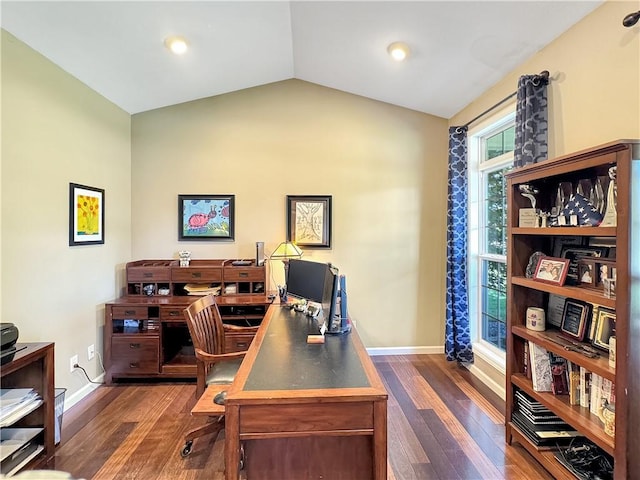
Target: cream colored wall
pixel 385 167
pixel 55 130
pixel 594 93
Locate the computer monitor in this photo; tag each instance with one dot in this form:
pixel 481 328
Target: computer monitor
pixel 306 279
pixel 320 283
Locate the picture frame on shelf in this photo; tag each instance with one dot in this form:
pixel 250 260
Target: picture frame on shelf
pixel 587 272
pixel 86 215
pixel 206 217
pixel 309 220
pixel 575 318
pixel 575 254
pixel 551 270
pixel 555 310
pixel 604 269
pixel 605 328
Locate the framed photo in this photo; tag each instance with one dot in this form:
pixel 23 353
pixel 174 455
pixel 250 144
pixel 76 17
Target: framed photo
pixel 551 270
pixel 575 254
pixel 575 318
pixel 206 217
pixel 605 328
pixel 604 269
pixel 587 272
pixel 86 215
pixel 309 220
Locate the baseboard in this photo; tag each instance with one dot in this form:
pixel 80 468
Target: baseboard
pixel 436 349
pixel 71 400
pixel 497 388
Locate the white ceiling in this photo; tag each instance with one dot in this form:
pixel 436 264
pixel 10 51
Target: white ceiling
pixel 458 48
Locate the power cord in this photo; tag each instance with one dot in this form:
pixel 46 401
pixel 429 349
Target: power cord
pixel 75 365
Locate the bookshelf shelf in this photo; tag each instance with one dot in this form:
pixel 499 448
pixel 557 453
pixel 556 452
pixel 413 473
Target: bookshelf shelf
pixel 524 292
pixel 545 457
pixel 578 417
pixel 547 339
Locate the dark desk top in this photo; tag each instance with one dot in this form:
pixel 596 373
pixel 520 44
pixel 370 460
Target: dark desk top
pixel 286 361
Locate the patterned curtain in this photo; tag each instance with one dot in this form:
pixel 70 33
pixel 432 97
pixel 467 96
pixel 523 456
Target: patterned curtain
pixel 458 335
pixel 531 121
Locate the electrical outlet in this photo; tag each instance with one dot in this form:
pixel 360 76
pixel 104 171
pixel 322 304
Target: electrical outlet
pixel 91 350
pixel 72 362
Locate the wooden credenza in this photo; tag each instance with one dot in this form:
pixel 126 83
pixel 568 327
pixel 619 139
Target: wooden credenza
pixel 305 410
pixel 146 336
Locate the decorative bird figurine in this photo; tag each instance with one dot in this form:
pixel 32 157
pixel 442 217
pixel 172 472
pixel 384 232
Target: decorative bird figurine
pixel 529 191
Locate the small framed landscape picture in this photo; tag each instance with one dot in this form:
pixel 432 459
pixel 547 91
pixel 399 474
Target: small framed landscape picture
pixel 206 217
pixel 551 270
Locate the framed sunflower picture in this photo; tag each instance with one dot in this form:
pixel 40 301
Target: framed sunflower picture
pixel 86 215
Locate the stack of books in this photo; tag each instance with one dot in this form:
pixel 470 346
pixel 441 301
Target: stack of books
pixel 17 445
pixel 539 424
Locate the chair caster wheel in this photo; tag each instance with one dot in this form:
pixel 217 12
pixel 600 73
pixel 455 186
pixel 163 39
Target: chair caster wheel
pixel 186 450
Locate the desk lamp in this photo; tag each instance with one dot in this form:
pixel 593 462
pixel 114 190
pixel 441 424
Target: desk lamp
pixel 284 252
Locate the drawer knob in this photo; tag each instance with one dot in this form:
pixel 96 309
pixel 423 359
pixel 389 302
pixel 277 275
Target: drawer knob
pixel 129 312
pixel 148 275
pixel 173 313
pixel 134 365
pixel 241 344
pixel 243 274
pixel 196 274
pixel 134 345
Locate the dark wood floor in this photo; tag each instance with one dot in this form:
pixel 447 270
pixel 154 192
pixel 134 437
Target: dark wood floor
pixel 443 425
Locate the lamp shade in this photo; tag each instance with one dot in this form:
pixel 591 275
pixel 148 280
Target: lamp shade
pixel 286 250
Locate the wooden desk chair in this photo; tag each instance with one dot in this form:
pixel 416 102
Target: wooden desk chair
pixel 215 368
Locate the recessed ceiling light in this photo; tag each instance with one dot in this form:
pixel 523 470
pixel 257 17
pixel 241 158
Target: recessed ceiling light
pixel 177 45
pixel 398 51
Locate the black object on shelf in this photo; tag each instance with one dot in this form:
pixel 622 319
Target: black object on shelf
pixel 586 460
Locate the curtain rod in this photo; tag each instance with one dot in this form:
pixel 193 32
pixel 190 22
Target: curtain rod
pixel 542 77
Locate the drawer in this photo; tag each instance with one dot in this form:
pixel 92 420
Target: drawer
pixel 196 274
pixel 136 312
pixel 278 417
pixel 237 342
pixel 133 354
pixel 172 314
pixel 148 273
pixel 247 274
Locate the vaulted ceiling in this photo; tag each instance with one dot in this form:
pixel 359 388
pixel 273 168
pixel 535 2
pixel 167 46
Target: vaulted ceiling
pixel 458 48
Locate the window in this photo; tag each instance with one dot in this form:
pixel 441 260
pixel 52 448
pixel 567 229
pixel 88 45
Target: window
pixel 490 157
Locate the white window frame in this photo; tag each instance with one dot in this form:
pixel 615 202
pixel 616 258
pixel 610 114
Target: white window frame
pixel 478 170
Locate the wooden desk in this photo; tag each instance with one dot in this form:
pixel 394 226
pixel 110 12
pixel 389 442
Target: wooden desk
pixel 304 410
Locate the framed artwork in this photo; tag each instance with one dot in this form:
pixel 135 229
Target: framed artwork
pixel 206 217
pixel 86 215
pixel 551 270
pixel 309 220
pixel 575 318
pixel 605 328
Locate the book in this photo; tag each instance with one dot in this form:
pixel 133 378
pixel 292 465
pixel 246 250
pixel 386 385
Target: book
pixel 559 375
pixel 574 383
pixel 595 401
pixel 585 384
pixel 540 368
